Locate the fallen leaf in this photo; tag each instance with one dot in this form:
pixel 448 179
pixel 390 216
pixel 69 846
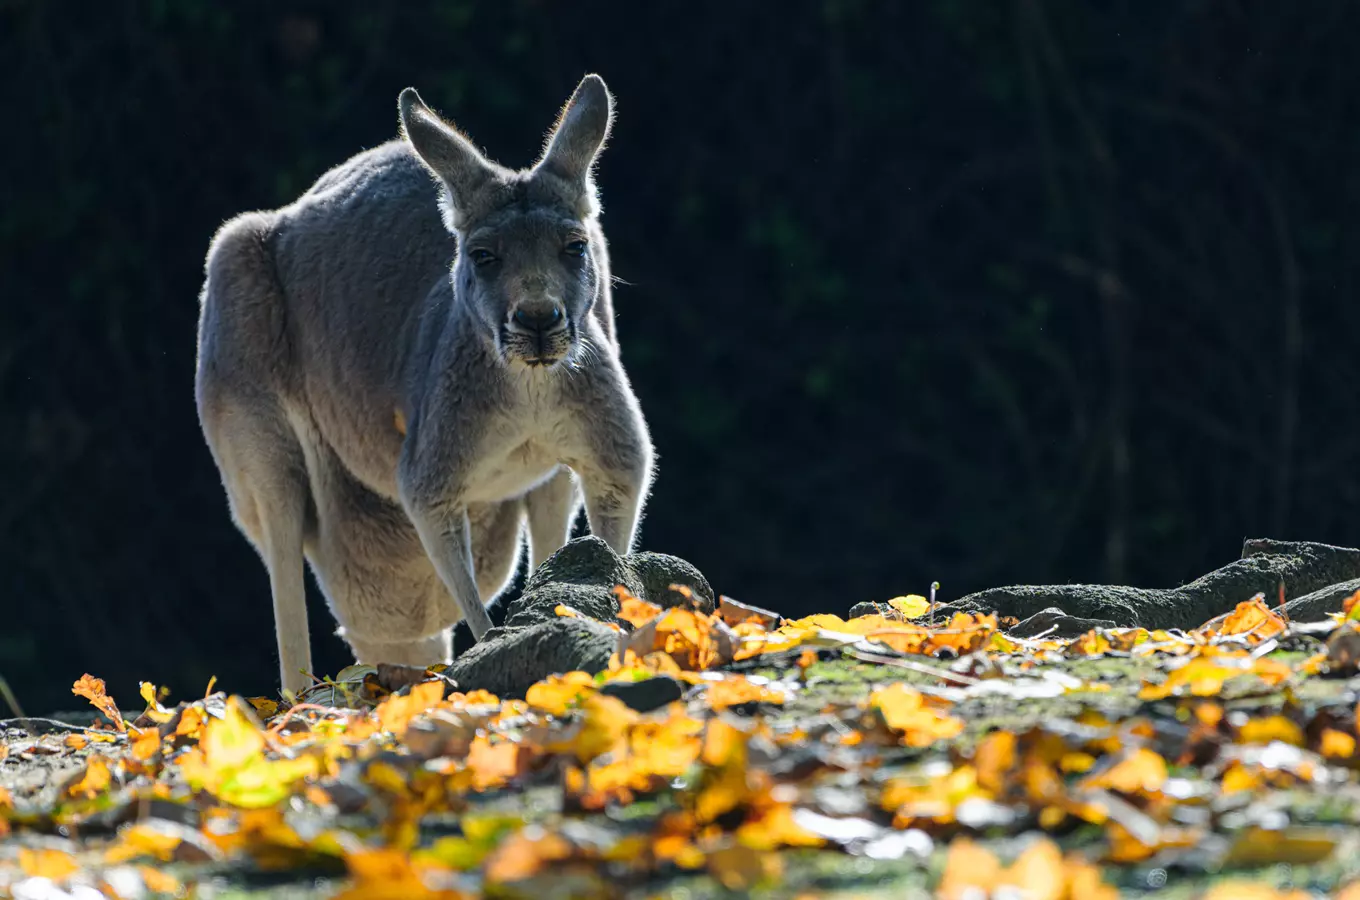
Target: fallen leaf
pixel 93 781
pixel 56 865
pixel 912 606
pixel 92 689
pixel 905 711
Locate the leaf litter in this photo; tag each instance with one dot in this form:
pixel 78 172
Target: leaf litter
pixel 908 748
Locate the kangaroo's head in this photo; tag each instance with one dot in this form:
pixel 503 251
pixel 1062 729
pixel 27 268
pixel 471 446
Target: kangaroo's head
pixel 529 265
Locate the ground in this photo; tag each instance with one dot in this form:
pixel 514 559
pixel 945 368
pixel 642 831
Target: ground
pixel 728 754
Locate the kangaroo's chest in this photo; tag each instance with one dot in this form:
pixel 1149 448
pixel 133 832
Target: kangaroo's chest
pixel 521 447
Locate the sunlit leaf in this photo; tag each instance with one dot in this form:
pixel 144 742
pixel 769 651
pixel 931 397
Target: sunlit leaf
pixel 905 711
pixel 92 689
pixel 912 606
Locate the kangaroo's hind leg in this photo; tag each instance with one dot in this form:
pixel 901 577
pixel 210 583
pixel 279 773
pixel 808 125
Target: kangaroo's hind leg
pixel 265 476
pixel 497 536
pixel 240 385
pixel 552 509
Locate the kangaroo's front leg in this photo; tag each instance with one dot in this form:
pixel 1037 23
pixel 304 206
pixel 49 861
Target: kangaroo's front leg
pixel 447 539
pixel 431 479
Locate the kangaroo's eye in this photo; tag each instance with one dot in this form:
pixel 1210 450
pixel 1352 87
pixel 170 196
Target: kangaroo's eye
pixel 482 257
pixel 575 248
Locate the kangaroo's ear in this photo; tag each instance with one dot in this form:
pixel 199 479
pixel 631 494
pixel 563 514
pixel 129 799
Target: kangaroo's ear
pixel 445 151
pixel 580 131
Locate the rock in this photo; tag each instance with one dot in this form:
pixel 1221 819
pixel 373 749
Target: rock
pixel 1314 607
pixel 507 661
pixel 658 572
pixel 647 694
pixel 1055 623
pixel 582 575
pixel 585 560
pixel 869 608
pixel 1302 567
pixel 535 642
pixel 1343 650
pixel 540 604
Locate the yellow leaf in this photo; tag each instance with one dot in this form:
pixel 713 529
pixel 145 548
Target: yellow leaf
pixel 1270 728
pixel 557 693
pixel 1201 677
pixel 158 882
pixel 913 606
pixel 774 828
pixel 141 839
pixel 232 740
pixel 1336 744
pixel 1138 772
pixel 266 708
pixel 905 711
pixel 94 781
pixel 56 865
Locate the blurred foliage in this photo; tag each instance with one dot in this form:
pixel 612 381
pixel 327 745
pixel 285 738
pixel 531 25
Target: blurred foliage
pixel 972 292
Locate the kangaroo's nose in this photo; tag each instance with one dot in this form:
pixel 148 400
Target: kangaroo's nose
pixel 538 319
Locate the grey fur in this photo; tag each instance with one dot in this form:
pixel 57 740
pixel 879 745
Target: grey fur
pixel 329 322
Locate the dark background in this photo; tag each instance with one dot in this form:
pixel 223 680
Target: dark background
pixel 977 292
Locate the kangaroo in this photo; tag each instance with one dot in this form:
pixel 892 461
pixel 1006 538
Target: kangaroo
pixel 405 366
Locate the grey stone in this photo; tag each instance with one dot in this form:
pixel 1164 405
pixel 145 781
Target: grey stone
pixel 1303 567
pixel 647 694
pixel 582 575
pixel 658 572
pixel 508 661
pixel 1055 623
pixel 1314 607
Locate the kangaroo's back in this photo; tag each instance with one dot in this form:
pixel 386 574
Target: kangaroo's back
pixel 358 257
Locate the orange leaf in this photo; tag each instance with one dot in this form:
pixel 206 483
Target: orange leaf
pixel 395 712
pixel 92 689
pixel 737 689
pixel 524 854
pixel 969 870
pixel 495 764
pixel 1253 618
pixel 633 610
